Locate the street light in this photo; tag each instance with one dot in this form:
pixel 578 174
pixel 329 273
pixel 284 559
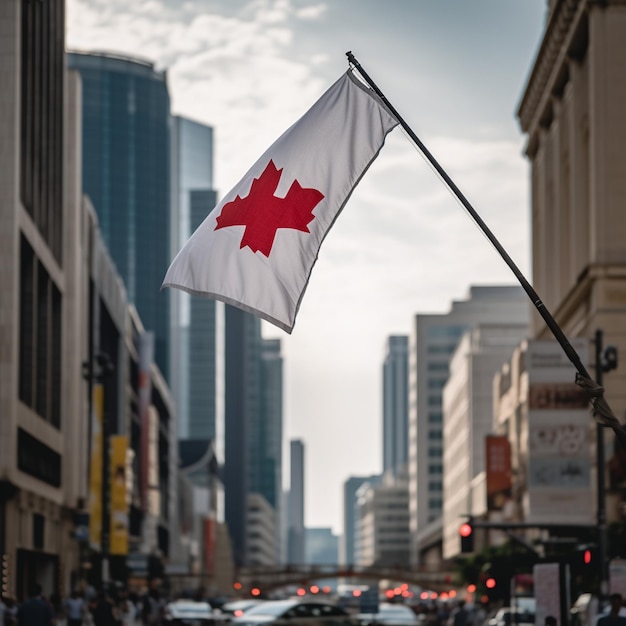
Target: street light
pixel 606 360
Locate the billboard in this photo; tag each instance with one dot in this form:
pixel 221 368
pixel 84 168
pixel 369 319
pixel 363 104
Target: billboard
pixel 498 471
pixel 559 450
pixel 95 467
pixel 119 502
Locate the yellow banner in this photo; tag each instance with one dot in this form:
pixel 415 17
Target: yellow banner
pixel 119 507
pixel 95 468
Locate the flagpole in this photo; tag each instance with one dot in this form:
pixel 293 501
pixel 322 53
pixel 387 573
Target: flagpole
pixel 601 410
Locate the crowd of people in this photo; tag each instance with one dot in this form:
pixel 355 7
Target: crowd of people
pixel 115 608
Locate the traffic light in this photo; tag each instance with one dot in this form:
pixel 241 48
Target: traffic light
pixel 466 531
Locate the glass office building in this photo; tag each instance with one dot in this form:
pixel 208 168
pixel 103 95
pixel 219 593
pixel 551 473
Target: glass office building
pixel 194 367
pixel 126 167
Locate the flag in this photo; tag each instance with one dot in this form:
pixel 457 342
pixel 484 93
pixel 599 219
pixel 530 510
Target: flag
pixel 258 246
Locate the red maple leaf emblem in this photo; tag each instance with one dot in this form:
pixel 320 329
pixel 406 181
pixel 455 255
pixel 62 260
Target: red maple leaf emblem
pixel 262 213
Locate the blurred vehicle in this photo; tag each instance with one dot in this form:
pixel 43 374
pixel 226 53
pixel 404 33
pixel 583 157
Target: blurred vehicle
pixel 390 615
pixel 188 612
pixel 295 612
pixel 506 616
pixel 236 608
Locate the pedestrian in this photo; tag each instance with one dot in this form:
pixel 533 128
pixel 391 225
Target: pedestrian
pixel 461 616
pixel 104 612
pixel 152 608
pixel 127 609
pixel 75 609
pixel 615 616
pixel 36 611
pixel 10 611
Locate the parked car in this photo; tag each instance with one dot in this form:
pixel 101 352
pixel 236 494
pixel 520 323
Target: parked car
pixel 185 612
pixel 295 612
pixel 506 616
pixel 390 614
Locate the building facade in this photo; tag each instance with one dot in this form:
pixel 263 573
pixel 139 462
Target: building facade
pixel 42 394
pixel 383 538
pixel 347 554
pixel 468 418
pixel 433 340
pixel 196 363
pixel 253 425
pixel 571 112
pixel 396 404
pixel 126 173
pixel 295 515
pixel 544 418
pixel 261 535
pixel 71 346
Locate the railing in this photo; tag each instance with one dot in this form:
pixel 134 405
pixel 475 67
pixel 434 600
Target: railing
pixel 270 577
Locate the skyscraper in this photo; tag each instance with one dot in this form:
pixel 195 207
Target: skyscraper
pixel 126 110
pixel 194 366
pixel 347 554
pixel 253 425
pixel 266 475
pixel 396 404
pixel 295 533
pixel 434 339
pixel 242 408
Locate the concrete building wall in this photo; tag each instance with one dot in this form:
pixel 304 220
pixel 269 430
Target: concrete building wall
pixel 468 419
pixel 432 342
pixel 572 113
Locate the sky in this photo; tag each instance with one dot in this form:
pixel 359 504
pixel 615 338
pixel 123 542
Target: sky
pixel 455 70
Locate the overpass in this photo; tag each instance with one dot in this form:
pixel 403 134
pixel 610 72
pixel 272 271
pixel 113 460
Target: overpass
pixel 270 577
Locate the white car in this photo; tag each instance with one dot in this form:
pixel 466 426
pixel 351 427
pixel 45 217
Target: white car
pixel 506 616
pixel 294 613
pixel 188 613
pixel 236 608
pixel 390 614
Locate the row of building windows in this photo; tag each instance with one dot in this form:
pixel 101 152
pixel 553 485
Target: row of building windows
pixel 435 503
pixel 39 338
pixel 41 130
pixel 447 332
pixel 437 383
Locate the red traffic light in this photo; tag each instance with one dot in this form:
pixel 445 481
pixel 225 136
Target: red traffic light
pixel 490 583
pixel 587 557
pixel 465 530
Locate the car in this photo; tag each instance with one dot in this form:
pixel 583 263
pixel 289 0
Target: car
pixel 236 608
pixel 295 613
pixel 185 612
pixel 390 614
pixel 506 616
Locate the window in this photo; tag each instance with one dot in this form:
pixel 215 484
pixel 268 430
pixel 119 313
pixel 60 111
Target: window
pixel 447 332
pixel 39 338
pixel 41 131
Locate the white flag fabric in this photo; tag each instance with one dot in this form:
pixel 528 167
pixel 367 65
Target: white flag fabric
pixel 258 246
